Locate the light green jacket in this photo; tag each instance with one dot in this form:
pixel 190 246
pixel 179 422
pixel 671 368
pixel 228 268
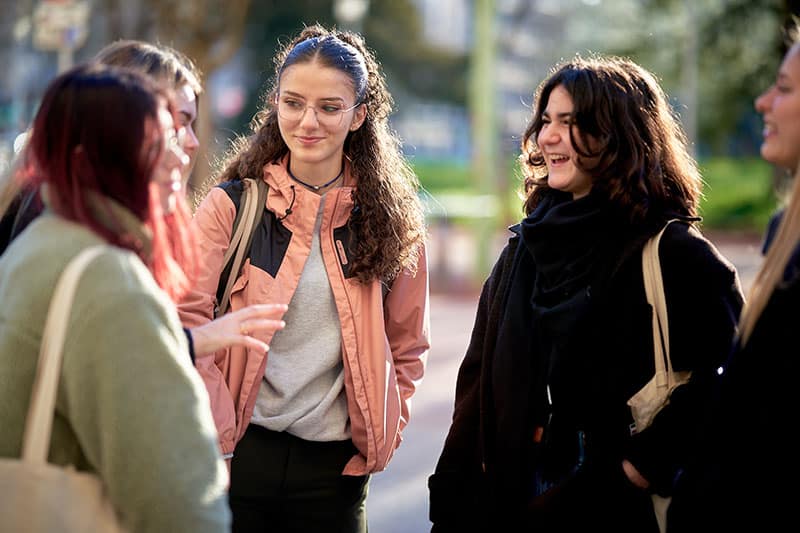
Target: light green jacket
pixel 130 406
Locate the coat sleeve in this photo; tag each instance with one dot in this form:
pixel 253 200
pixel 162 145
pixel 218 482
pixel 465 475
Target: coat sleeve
pixel 457 485
pixel 213 223
pixel 704 299
pixel 141 413
pixel 408 330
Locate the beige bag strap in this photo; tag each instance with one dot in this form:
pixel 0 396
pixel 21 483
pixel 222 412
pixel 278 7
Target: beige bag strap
pixel 39 424
pixel 654 291
pixel 251 198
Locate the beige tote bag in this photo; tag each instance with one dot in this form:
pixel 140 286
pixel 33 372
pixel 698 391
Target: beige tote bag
pixel 38 496
pixel 651 398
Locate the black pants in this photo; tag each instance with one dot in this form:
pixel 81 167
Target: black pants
pixel 281 483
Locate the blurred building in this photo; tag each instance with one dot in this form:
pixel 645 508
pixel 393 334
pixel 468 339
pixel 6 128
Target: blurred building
pixel 39 38
pixel 531 35
pixel 446 23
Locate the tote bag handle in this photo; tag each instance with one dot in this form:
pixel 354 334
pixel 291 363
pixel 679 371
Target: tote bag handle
pixel 39 423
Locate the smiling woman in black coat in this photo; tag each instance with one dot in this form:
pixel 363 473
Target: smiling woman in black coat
pixel 541 435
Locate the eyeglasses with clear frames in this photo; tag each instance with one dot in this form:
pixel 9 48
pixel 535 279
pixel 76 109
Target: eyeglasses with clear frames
pixel 328 114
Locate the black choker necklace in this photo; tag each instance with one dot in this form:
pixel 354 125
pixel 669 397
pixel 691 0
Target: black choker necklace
pixel 315 187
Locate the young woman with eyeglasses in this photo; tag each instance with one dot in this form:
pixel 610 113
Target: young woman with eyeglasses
pixel 342 241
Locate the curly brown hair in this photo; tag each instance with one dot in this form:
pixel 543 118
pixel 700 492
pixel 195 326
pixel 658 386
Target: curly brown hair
pixel 388 223
pixel 623 121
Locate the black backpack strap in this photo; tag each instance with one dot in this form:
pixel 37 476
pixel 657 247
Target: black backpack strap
pixel 248 215
pixel 263 189
pixel 230 252
pixel 386 287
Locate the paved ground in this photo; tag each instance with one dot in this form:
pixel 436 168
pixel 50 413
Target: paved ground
pixel 398 500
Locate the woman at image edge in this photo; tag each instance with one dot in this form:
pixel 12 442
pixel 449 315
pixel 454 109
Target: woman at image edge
pixel 130 407
pixel 745 479
pixel 342 242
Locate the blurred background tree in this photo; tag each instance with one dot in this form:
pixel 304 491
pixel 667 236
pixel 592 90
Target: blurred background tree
pixel 210 41
pixel 463 74
pixel 263 25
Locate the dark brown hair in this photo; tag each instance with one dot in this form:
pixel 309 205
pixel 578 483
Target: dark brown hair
pixel 623 123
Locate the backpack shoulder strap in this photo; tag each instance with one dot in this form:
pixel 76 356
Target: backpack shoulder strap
pixel 251 209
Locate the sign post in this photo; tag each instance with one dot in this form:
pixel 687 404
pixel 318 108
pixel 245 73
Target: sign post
pixel 62 26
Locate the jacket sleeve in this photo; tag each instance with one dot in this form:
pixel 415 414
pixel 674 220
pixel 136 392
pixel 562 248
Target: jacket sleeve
pixel 408 330
pixel 141 413
pixel 457 485
pixel 704 299
pixel 213 222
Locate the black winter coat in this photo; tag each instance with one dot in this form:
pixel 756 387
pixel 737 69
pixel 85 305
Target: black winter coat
pixel 25 207
pixel 744 479
pixel 586 364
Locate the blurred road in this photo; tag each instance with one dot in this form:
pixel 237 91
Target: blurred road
pixel 398 497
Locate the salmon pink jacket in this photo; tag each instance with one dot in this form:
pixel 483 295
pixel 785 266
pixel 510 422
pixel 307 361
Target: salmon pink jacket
pixel 385 340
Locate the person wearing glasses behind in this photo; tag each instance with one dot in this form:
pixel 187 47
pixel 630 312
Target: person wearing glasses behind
pixel 744 478
pixel 130 407
pixel 175 71
pixel 162 63
pixel 342 240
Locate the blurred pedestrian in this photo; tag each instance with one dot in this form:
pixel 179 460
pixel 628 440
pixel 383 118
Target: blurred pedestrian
pixel 172 68
pixel 542 438
pixel 342 240
pixel 177 72
pixel 130 408
pixel 744 479
pixel 167 66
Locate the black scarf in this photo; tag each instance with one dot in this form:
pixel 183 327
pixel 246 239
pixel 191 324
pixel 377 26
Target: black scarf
pixel 567 239
pixel 574 245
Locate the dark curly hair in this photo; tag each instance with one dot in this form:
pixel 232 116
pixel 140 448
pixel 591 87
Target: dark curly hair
pixel 388 224
pixel 624 125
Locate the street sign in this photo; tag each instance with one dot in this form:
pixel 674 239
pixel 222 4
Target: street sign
pixel 60 24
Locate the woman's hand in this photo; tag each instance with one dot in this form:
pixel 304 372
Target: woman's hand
pixel 236 329
pixel 634 476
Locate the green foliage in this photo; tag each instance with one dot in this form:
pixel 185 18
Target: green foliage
pixel 736 55
pixel 391 28
pixel 744 45
pixel 445 183
pixel 394 30
pixel 739 193
pixel 438 177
